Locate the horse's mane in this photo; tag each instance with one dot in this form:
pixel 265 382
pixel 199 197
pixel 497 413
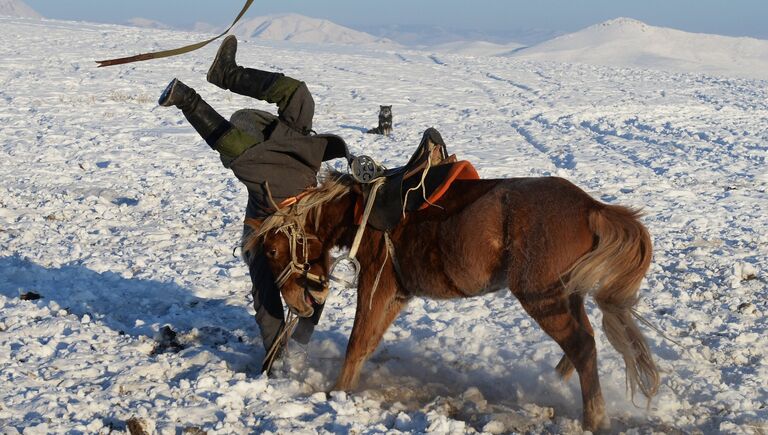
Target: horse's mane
pixel 309 205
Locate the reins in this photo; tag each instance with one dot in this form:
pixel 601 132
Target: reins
pixel 294 266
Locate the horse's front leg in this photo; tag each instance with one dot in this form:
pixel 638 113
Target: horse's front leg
pixel 373 316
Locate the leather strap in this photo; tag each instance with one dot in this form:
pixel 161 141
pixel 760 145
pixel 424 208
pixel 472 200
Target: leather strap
pixel 175 51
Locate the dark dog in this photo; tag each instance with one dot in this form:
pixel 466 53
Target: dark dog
pixel 385 121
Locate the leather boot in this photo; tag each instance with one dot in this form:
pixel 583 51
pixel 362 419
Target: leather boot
pixel 226 74
pixel 223 63
pixel 207 122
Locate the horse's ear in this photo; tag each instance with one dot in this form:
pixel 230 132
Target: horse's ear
pixel 255 224
pixel 251 240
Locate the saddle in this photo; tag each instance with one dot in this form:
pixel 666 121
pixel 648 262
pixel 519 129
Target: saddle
pixel 416 185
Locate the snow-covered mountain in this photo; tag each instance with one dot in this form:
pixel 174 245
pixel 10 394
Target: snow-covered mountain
pixel 299 28
pixel 147 23
pixel 17 8
pixel 432 35
pixel 625 42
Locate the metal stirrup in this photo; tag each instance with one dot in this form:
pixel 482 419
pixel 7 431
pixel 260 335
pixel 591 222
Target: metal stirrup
pixel 365 169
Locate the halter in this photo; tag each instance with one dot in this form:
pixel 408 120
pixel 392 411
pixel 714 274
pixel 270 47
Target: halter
pixel 295 267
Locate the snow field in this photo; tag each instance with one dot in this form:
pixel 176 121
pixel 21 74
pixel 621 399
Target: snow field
pixel 123 220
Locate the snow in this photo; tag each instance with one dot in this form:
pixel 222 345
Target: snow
pixel 628 43
pixel 123 220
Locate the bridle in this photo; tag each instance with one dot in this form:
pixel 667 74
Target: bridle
pixel 294 266
pixel 294 233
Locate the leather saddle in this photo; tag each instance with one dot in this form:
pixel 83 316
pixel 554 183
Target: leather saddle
pixel 418 184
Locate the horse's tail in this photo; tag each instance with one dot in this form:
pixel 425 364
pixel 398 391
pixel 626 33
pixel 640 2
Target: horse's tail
pixel 612 272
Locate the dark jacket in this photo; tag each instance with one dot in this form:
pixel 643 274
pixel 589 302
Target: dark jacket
pixel 286 162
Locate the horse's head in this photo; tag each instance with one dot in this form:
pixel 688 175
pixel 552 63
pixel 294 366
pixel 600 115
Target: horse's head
pixel 298 259
pixel 299 264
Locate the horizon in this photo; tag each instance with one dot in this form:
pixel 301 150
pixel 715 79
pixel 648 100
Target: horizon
pixel 497 19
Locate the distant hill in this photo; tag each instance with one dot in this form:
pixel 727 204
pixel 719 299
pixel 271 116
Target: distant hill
pixel 431 35
pixel 476 48
pixel 625 42
pixel 147 23
pixel 298 28
pixel 17 8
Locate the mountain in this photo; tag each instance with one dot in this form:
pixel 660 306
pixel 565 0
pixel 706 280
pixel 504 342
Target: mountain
pixel 430 35
pixel 17 8
pixel 625 42
pixel 299 28
pixel 203 27
pixel 147 23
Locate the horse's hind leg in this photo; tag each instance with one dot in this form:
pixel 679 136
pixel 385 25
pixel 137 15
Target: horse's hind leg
pixel 372 318
pixel 565 367
pixel 550 308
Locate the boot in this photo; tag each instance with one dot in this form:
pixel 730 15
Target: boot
pixel 226 74
pixel 207 122
pixel 223 63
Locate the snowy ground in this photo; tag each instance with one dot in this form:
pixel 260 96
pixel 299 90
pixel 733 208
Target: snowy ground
pixel 124 221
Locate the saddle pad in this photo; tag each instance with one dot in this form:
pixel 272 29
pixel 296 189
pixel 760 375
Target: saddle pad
pixel 461 170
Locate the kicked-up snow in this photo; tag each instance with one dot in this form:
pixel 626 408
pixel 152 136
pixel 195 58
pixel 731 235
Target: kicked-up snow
pixel 123 221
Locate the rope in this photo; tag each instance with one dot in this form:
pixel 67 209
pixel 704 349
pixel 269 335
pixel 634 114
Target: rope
pixel 378 275
pixel 422 182
pixel 175 51
pixel 279 342
pixel 395 263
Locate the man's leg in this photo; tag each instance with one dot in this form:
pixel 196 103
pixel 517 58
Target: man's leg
pixel 269 305
pixel 295 105
pixel 217 132
pixel 266 299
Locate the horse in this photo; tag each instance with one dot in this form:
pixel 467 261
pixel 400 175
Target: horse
pixel 544 239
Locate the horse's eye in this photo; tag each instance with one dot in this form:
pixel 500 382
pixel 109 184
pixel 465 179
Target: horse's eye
pixel 272 253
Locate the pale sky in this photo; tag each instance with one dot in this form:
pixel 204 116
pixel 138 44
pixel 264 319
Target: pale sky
pixel 724 17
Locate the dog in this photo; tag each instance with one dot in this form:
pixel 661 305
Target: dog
pixel 385 121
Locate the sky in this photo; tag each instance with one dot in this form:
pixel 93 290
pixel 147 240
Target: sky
pixel 724 17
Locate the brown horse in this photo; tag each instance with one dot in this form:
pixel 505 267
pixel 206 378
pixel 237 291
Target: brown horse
pixel 543 238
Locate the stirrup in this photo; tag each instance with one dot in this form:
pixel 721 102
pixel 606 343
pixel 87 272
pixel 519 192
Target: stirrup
pixel 365 169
